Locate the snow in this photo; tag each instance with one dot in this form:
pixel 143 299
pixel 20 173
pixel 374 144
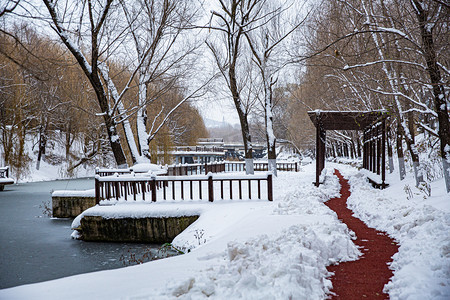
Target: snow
pixel 114 138
pixel 146 167
pixel 74 193
pixel 6 181
pixel 372 176
pixel 276 250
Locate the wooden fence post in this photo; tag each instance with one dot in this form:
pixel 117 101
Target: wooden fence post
pixel 269 187
pixel 117 190
pixel 383 154
pixel 153 187
pixel 97 190
pixel 210 187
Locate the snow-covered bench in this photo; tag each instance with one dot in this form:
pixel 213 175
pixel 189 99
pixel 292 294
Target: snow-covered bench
pixel 4 177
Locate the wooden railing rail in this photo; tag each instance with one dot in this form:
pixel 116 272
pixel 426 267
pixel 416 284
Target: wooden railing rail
pixel 195 187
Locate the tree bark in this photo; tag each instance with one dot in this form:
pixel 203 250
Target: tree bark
pixel 41 146
pixel 389 149
pixel 401 160
pixel 270 135
pixel 245 129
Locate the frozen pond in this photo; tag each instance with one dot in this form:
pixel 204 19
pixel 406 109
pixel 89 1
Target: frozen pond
pixel 35 248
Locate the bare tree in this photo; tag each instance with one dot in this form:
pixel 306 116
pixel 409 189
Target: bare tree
pixel 95 15
pixel 157 32
pixel 264 39
pixel 232 21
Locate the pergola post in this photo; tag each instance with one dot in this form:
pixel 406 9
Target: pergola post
pixel 320 151
pixel 377 132
pixel 372 151
pixel 323 139
pixel 383 154
pixel 364 149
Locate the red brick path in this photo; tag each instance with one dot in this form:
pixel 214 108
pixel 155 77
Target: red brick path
pixel 366 277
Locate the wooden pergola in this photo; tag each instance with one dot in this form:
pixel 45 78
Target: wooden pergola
pixel 373 123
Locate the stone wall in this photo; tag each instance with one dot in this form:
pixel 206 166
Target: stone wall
pixel 70 207
pixel 142 230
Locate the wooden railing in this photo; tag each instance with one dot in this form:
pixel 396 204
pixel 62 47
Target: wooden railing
pixel 213 167
pixel 226 166
pixel 232 166
pixel 195 187
pixel 198 149
pixel 195 169
pixel 4 172
pixel 109 172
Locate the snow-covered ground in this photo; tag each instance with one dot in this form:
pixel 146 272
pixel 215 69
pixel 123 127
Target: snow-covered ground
pixel 280 249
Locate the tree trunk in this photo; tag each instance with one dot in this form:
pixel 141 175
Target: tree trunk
pixel 401 160
pixel 389 148
pixel 270 136
pixel 114 141
pixel 68 139
pixel 41 147
pixel 440 103
pixel 353 148
pixel 42 141
pixel 418 173
pixel 111 129
pixel 358 148
pixel 141 121
pixel 245 129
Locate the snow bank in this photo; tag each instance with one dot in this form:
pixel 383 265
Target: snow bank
pixel 422 264
pixel 289 266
